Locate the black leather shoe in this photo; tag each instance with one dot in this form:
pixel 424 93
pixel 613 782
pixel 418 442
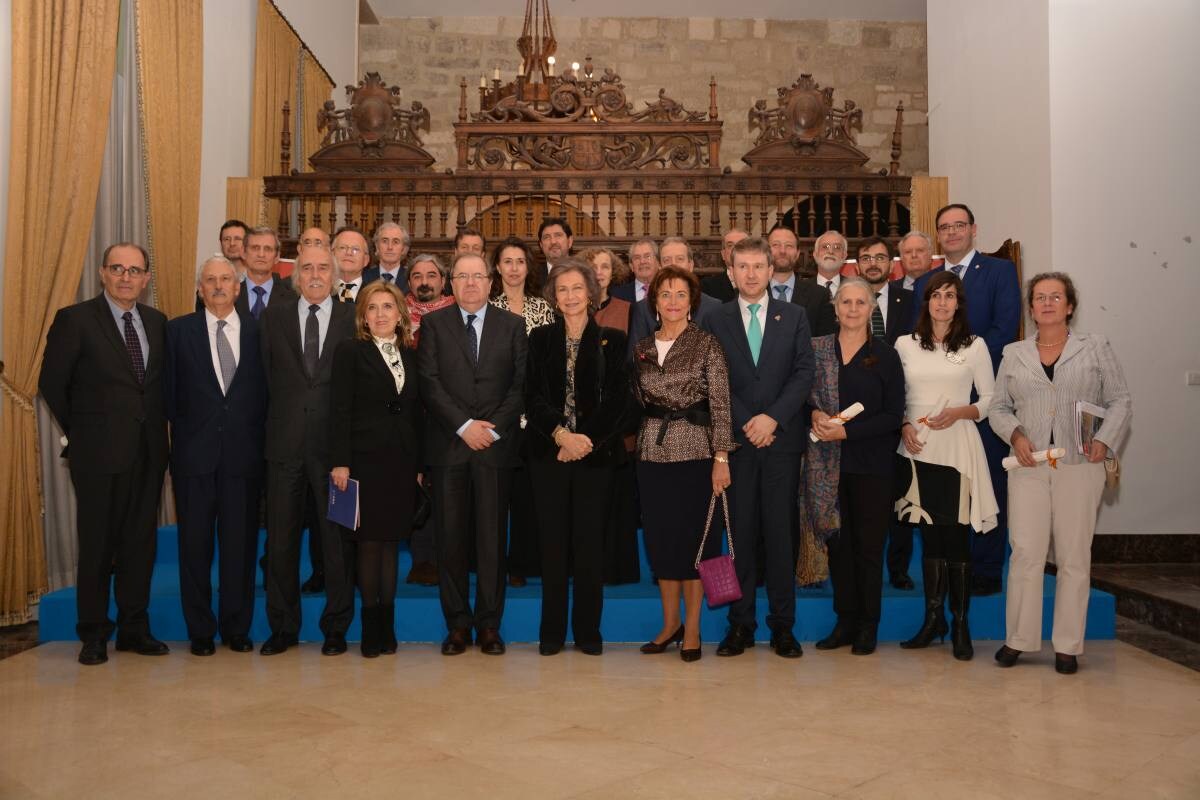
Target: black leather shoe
pixel 1006 656
pixel 93 653
pixel 516 581
pixel 901 580
pixel 203 647
pixel 314 585
pixel 590 648
pixel 423 574
pixel 982 586
pixel 840 636
pixel 335 645
pixel 785 645
pixel 144 645
pixel 277 643
pixel 864 642
pixel 736 641
pixel 490 643
pixel 1065 665
pixel 549 648
pixel 456 642
pixel 653 648
pixel 690 655
pixel 240 644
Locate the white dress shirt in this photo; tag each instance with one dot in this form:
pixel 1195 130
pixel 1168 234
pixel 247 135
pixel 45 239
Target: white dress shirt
pixel 233 334
pixel 744 307
pixel 832 283
pixel 639 290
pixel 965 263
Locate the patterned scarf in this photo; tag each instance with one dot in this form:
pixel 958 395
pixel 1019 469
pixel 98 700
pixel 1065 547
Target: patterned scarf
pixel 820 517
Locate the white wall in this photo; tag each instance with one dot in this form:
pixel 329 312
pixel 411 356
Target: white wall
pixel 1124 116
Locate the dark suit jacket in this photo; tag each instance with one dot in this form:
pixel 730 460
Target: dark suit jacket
pixel 899 312
pixel 625 291
pixel 455 389
pixel 211 430
pixel 642 322
pixel 298 417
pixel 993 301
pixel 368 414
pixel 603 401
pixel 779 384
pixel 718 286
pixel 401 276
pixel 815 300
pixel 88 382
pixel 281 290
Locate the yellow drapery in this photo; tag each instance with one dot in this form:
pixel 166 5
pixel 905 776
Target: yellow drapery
pixel 276 61
pixel 244 200
pixel 928 195
pixel 315 88
pixel 170 47
pixel 63 57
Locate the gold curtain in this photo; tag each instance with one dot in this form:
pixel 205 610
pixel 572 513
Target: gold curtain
pixel 63 54
pixel 276 61
pixel 244 200
pixel 315 89
pixel 170 48
pixel 928 195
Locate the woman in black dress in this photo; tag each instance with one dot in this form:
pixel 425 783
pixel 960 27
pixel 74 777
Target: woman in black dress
pixel 377 422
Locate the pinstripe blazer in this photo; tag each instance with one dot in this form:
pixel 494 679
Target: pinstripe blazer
pixel 1087 370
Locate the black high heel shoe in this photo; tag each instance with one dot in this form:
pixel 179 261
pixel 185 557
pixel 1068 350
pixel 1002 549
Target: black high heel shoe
pixel 654 648
pixel 1006 656
pixel 690 655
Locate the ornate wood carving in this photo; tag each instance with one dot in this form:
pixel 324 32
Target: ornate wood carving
pixel 373 132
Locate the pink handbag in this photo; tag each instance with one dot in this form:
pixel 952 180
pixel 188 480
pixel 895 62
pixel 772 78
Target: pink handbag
pixel 717 575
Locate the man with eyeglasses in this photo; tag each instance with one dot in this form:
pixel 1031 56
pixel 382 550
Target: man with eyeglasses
pixel 391 245
pixel 102 377
pixel 233 241
pixel 993 296
pixel 787 285
pixel 471 362
pixel 350 250
pixel 643 263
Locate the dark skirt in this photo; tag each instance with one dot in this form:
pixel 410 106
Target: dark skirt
pixel 674 505
pixel 938 485
pixel 387 487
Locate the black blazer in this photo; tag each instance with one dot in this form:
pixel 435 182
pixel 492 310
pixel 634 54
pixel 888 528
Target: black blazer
pixel 211 430
pixel 454 389
pixel 603 402
pixel 298 416
pixel 815 300
pixel 899 312
pixel 368 414
pixel 281 290
pixel 873 436
pixel 88 382
pixel 624 291
pixel 779 384
pixel 718 286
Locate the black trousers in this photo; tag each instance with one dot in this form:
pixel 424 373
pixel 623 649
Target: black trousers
pixel 463 494
pixel 571 503
pixel 287 483
pixel 230 503
pixel 524 552
pixel 856 552
pixel 116 519
pixel 762 501
pixel 899 547
pixel 988 553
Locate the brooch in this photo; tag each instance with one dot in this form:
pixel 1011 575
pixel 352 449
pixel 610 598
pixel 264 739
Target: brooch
pixel 954 357
pixel 604 342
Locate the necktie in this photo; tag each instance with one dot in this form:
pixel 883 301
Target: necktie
pixel 134 347
pixel 346 295
pixel 259 305
pixel 225 356
pixel 829 289
pixel 472 339
pixel 877 326
pixel 312 341
pixel 641 292
pixel 754 333
pixel 781 292
pixel 958 269
pixel 387 277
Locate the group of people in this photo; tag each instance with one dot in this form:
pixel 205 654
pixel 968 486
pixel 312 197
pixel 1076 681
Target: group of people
pixel 538 416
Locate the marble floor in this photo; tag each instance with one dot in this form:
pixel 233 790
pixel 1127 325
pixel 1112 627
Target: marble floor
pixel 895 725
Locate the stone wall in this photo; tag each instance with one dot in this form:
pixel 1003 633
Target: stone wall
pixel 876 64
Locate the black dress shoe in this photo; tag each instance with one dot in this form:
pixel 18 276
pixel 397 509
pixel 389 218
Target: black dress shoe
pixel 203 647
pixel 549 648
pixel 901 580
pixel 690 655
pixel 144 645
pixel 277 643
pixel 653 648
pixel 93 653
pixel 840 636
pixel 456 642
pixel 423 574
pixel 240 644
pixel 490 643
pixel 1006 656
pixel 314 585
pixel 982 585
pixel 1065 665
pixel 739 638
pixel 590 648
pixel 516 581
pixel 335 645
pixel 785 645
pixel 864 642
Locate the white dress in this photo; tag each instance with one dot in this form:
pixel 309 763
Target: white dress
pixel 928 376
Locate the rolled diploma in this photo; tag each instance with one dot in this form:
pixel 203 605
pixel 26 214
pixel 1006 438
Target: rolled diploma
pixel 1010 462
pixel 938 407
pixel 841 419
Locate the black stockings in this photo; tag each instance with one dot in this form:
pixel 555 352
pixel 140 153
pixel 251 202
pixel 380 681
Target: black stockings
pixel 377 572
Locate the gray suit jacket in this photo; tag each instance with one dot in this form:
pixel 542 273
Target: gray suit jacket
pixel 1087 370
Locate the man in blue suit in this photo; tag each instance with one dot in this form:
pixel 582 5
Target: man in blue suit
pixel 769 351
pixel 993 294
pixel 216 399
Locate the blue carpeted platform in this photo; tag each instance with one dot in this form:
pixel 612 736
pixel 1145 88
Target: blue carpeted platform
pixel 632 613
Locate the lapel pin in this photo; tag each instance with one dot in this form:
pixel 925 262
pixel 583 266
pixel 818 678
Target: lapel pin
pixel 778 317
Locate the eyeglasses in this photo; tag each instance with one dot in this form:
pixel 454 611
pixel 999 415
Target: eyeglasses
pixel 957 227
pixel 121 269
pixel 833 247
pixel 474 277
pixel 1049 298
pixel 879 259
pixel 342 249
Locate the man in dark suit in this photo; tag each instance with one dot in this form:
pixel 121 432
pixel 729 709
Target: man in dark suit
pixel 391 245
pixel 102 379
pixel 721 286
pixel 556 239
pixel 216 395
pixel 674 252
pixel 472 365
pixel 769 351
pixel 261 283
pixel 643 263
pixel 993 294
pixel 352 254
pixel 298 342
pixel 788 286
pixel 232 238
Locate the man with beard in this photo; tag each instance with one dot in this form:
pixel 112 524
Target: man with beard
pixel 894 310
pixel 789 287
pixel 556 239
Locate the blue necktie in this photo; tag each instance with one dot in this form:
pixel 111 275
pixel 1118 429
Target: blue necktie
pixel 754 333
pixel 387 277
pixel 472 339
pixel 959 269
pixel 781 291
pixel 259 306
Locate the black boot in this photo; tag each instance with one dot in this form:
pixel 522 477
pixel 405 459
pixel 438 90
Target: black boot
pixel 370 632
pixel 935 570
pixel 960 604
pixel 387 629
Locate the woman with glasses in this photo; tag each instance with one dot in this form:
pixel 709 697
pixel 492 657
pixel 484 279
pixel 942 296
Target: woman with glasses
pixel 1039 382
